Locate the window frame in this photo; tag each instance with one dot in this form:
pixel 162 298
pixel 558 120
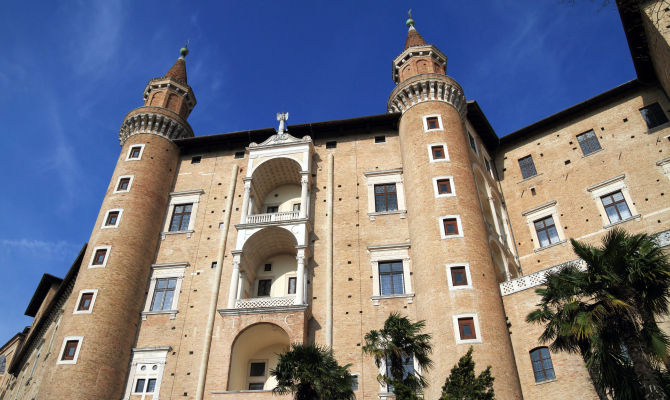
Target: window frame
pixel 373 178
pixel 257 286
pixel 179 198
pixel 257 379
pixel 288 283
pixel 149 357
pixel 440 126
pixel 468 277
pixel 436 188
pixel 662 112
pixel 431 157
pixel 443 234
pixel 541 359
pixel 614 203
pixel 118 218
pixel 548 209
pixel 181 216
pixel 163 291
pixel 108 250
pixel 391 273
pixel 82 292
pixel 386 253
pixel 118 182
pixel 529 156
pixel 79 340
pixel 615 184
pixel 581 143
pixel 457 331
pixel 546 229
pixel 386 195
pixel 130 151
pixel 165 271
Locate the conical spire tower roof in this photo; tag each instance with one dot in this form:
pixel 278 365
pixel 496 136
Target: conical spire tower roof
pixel 178 70
pixel 414 38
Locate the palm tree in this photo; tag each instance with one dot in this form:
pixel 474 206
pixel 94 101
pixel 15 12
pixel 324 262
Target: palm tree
pixel 399 344
pixel 608 312
pixel 311 372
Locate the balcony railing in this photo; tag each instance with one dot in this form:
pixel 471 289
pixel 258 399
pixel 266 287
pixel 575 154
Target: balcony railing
pixel 273 217
pixel 262 302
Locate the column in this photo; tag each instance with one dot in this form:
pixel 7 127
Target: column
pixel 304 195
pixel 240 285
pixel 245 200
pixel 234 281
pixel 300 274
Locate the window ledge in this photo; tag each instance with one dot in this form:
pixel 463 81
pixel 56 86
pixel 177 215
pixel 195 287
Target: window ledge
pixel 547 381
pixel 593 152
pixel 372 215
pixel 550 246
pixel 408 296
pixel 164 234
pixel 634 217
pixel 240 391
pixel 171 313
pixel 658 128
pixel 529 178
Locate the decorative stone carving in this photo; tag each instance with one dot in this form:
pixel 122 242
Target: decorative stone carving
pixel 426 87
pixel 155 121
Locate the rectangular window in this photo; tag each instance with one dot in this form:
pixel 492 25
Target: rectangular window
pixel 543 368
pixel 385 198
pixel 653 115
pixel 85 302
pixel 99 257
pixel 139 386
pixel 466 328
pixel 588 141
pixel 546 231
pixel 473 143
pixel 432 123
pixel 112 218
pixel 267 267
pixel 196 159
pixel 408 368
pixel 450 226
pixel 616 207
pixel 458 276
pixel 443 186
pixel 487 163
pixel 213 264
pixel 256 386
pixel 296 207
pixel 257 369
pixel 380 139
pixel 264 286
pixel 151 385
pixel 438 152
pixel 292 281
pixel 272 209
pixel 239 154
pixel 181 217
pixel 527 167
pixel 163 294
pixel 123 184
pixel 391 278
pixel 331 145
pixel 70 350
pixel 135 152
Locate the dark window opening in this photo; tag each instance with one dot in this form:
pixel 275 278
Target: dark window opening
pixel 458 276
pixel 196 159
pixel 432 123
pixel 443 186
pixel 123 184
pixel 653 115
pixel 135 152
pixel 112 218
pixel 70 350
pixel 438 152
pixel 85 302
pixel 466 328
pixel 527 167
pixel 588 141
pixel 264 286
pixel 331 145
pixel 450 226
pixel 239 154
pixel 380 139
pixel 99 256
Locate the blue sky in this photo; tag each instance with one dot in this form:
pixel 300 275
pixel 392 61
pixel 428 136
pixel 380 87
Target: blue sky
pixel 70 71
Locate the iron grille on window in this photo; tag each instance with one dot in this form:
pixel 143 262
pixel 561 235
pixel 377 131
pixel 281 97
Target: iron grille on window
pixel 542 365
pixel 181 217
pixel 385 198
pixel 391 278
pixel 163 294
pixel 527 167
pixel 588 141
pixel 653 115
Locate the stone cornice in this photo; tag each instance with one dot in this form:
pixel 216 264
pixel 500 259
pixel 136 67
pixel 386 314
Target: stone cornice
pixel 154 120
pixel 426 87
pixel 425 50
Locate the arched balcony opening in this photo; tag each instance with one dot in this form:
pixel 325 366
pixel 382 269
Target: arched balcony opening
pixel 276 191
pixel 254 353
pixel 499 261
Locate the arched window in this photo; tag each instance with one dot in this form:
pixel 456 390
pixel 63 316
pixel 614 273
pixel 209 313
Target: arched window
pixel 542 366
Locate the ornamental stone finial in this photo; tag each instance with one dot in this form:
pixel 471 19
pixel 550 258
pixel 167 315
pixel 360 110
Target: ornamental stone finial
pixel 184 51
pixel 410 21
pixel 282 118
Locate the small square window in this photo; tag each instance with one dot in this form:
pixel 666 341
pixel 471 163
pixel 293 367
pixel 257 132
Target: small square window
pixel 331 145
pixel 466 328
pixel 214 264
pixel 588 141
pixel 380 139
pixel 135 153
pixel 443 186
pixel 458 276
pixel 257 369
pixel 450 226
pixel 181 216
pixel 264 286
pixel 653 115
pixel 256 386
pixel 527 167
pixel 292 281
pixel 296 207
pixel 438 152
pixel 272 209
pixel 386 198
pixel 267 267
pixel 196 159
pixel 432 123
pixel 85 302
pixel 70 350
pixel 99 257
pixel 239 154
pixel 123 184
pixel 546 231
pixel 112 218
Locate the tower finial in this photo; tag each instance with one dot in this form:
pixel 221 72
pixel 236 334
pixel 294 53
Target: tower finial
pixel 184 51
pixel 410 21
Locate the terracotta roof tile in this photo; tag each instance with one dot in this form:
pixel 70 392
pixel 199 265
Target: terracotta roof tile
pixel 414 39
pixel 178 71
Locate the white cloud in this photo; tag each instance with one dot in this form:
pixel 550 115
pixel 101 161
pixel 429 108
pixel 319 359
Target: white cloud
pixel 61 248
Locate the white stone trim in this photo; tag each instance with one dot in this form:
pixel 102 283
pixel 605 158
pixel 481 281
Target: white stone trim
pixel 373 178
pixel 443 235
pixel 118 219
pixel 118 180
pixel 104 261
pixel 536 278
pixel 147 357
pixel 440 127
pixel 451 184
pixel 390 252
pixel 545 210
pixel 79 340
pixel 178 198
pixel 467 275
pixel 90 308
pixel 457 332
pixel 610 186
pixel 159 271
pixel 130 149
pixel 665 166
pixel 430 152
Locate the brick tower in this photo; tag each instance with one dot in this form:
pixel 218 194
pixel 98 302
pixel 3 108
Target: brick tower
pixel 97 341
pixel 443 203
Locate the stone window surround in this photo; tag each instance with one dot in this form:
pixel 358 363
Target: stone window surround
pixel 443 234
pixel 118 219
pixel 373 178
pixel 166 270
pixel 79 340
pixel 390 252
pixel 467 275
pixel 146 355
pixel 439 123
pixel 130 149
pixel 182 197
pixel 104 262
pixel 430 152
pixel 545 210
pixel 257 379
pixel 665 166
pixel 609 186
pixel 451 185
pixel 457 332
pixel 118 180
pixel 90 308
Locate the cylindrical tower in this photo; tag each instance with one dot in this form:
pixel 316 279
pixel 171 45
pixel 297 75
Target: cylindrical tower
pixel 101 317
pixel 462 306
